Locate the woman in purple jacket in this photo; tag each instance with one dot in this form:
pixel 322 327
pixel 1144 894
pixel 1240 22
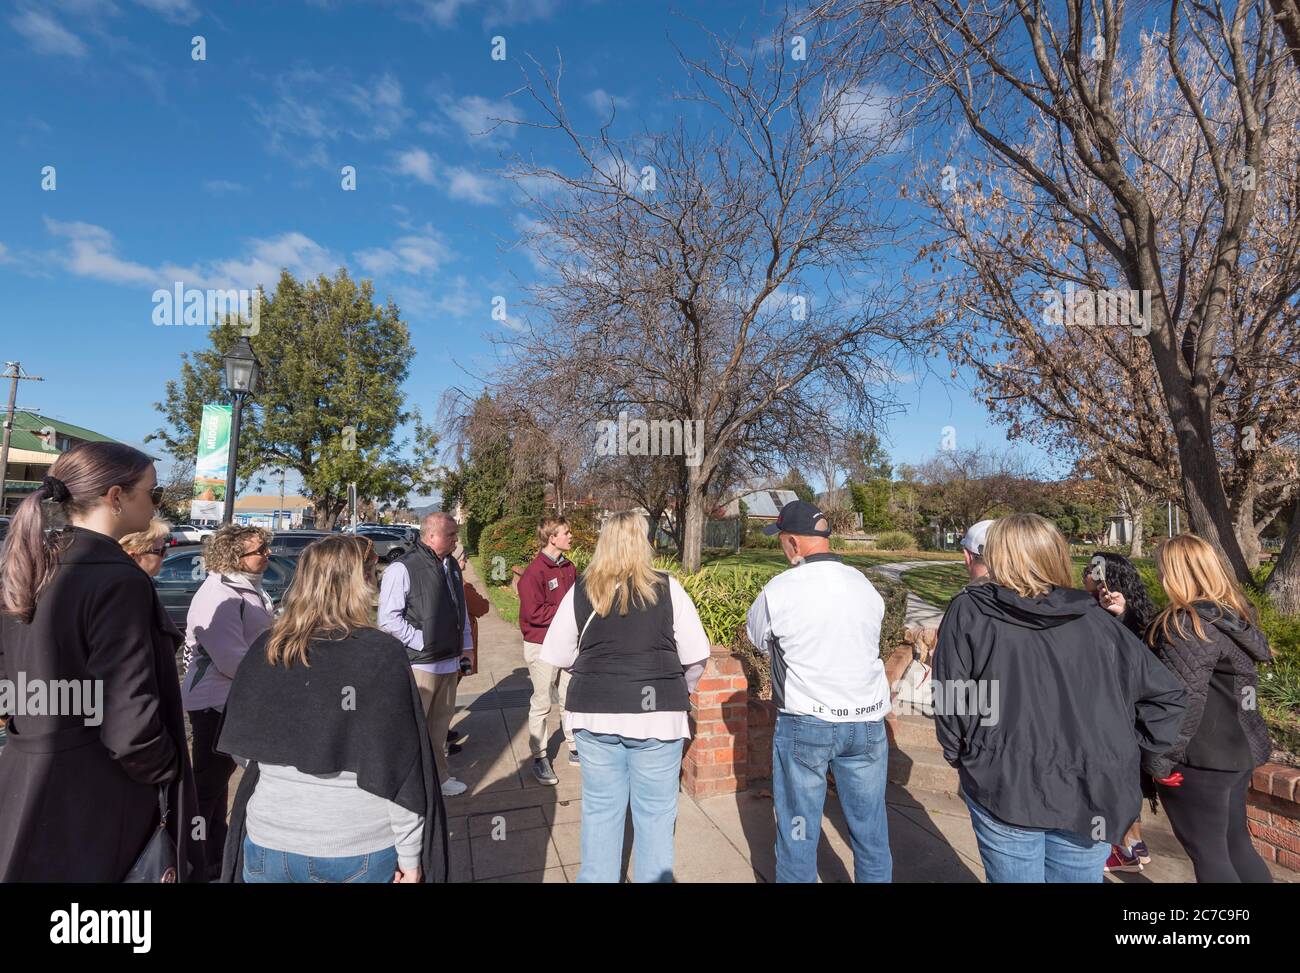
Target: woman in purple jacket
pixel 229 611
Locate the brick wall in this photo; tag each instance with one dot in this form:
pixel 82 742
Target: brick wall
pixel 1273 814
pixel 717 755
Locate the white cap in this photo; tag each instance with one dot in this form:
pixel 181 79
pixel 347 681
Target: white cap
pixel 976 534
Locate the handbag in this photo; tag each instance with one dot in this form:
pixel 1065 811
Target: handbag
pixel 159 861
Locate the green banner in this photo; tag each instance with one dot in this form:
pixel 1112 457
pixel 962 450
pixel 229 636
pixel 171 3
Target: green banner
pixel 214 450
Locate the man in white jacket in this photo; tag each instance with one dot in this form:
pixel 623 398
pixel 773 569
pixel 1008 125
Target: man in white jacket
pixel 819 622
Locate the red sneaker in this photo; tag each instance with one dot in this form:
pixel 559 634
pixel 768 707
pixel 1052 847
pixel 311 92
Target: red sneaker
pixel 1121 861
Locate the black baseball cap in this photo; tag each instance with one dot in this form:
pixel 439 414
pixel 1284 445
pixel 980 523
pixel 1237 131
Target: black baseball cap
pixel 798 517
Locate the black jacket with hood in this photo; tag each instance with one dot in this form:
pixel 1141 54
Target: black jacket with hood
pixel 1070 707
pixel 1223 729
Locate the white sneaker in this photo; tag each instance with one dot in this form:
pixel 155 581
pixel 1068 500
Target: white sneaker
pixel 451 787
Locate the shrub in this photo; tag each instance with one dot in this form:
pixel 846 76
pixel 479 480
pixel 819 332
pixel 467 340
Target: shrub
pixel 754 537
pixel 895 540
pixel 722 596
pixel 514 540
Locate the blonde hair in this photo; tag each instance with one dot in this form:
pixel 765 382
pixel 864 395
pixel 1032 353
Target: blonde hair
pixel 1191 571
pixel 547 528
pixel 223 548
pixel 1026 553
pixel 622 566
pixel 329 598
pixel 144 541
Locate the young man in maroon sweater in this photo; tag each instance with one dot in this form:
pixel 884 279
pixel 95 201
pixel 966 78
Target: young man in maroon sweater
pixel 542 586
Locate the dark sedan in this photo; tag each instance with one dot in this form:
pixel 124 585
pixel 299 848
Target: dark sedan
pixel 182 574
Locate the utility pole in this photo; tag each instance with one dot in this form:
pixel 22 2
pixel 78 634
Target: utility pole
pixel 13 372
pixel 279 513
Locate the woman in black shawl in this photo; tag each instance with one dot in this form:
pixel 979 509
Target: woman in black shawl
pixel 340 784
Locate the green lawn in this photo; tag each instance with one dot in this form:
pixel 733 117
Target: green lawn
pixel 503 597
pixel 774 562
pixel 940 583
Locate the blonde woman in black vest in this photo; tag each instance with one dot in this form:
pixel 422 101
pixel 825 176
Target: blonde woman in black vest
pixel 633 643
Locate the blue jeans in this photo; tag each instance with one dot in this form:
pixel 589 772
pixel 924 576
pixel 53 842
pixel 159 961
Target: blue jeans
pixel 803 747
pixel 1012 854
pixel 265 865
pixel 614 770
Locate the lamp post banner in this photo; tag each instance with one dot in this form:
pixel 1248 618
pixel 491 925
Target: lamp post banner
pixel 211 461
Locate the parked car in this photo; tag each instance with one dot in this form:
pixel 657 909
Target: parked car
pixel 183 572
pixel 291 543
pixel 188 534
pixel 389 544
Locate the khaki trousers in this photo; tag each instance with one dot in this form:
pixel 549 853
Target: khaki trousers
pixel 550 685
pixel 438 694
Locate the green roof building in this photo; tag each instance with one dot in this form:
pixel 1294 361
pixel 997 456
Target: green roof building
pixel 35 442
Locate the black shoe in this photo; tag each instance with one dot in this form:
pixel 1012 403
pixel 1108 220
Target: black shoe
pixel 454 748
pixel 543 772
pixel 573 758
pixel 452 736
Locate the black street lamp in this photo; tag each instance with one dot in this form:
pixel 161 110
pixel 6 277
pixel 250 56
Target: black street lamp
pixel 241 381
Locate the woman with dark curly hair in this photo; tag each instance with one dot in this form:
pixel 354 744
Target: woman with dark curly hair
pixel 227 614
pixel 1115 583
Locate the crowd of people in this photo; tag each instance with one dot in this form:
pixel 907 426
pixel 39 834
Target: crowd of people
pixel 340 714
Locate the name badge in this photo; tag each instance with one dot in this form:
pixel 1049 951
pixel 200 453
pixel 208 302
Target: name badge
pixel 552 584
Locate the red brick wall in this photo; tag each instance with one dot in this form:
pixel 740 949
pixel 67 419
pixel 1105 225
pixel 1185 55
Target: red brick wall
pixel 716 758
pixel 1273 814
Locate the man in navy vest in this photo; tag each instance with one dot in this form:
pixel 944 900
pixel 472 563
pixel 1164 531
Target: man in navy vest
pixel 422 603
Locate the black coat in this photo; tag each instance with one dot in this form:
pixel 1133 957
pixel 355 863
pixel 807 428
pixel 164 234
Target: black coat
pixel 1080 703
pixel 356 709
pixel 1223 728
pixel 80 802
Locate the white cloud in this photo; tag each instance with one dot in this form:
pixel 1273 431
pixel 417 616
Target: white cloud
pixel 46 35
pixel 470 186
pixel 92 252
pixel 602 101
pixel 486 121
pixel 308 110
pixel 418 164
pixel 177 11
pixel 414 254
pixel 444 12
pixel 222 187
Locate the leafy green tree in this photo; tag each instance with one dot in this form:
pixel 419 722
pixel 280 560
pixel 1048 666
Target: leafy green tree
pixel 794 480
pixel 330 399
pixel 872 500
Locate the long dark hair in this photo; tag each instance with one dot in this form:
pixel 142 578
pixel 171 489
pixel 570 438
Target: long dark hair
pixel 1122 576
pixel 74 485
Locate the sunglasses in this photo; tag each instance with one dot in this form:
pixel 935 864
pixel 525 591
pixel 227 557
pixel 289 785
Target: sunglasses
pixel 258 551
pixel 156 551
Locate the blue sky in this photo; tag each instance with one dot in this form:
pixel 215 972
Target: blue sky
pixel 224 170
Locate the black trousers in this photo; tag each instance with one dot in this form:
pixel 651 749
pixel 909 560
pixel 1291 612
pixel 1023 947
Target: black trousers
pixel 212 773
pixel 1208 815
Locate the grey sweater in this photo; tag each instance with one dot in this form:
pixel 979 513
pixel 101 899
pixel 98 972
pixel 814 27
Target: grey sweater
pixel 329 816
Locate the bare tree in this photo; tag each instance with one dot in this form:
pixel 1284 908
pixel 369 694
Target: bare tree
pixel 716 273
pixel 1170 171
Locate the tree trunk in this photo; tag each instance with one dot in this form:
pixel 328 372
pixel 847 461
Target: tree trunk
pixel 1283 585
pixel 1247 534
pixel 1137 520
pixel 693 536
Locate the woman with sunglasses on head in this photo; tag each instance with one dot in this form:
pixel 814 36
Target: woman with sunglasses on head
pixel 228 612
pixel 81 789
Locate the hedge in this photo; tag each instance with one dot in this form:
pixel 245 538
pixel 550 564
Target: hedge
pixel 723 595
pixel 895 540
pixel 514 540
